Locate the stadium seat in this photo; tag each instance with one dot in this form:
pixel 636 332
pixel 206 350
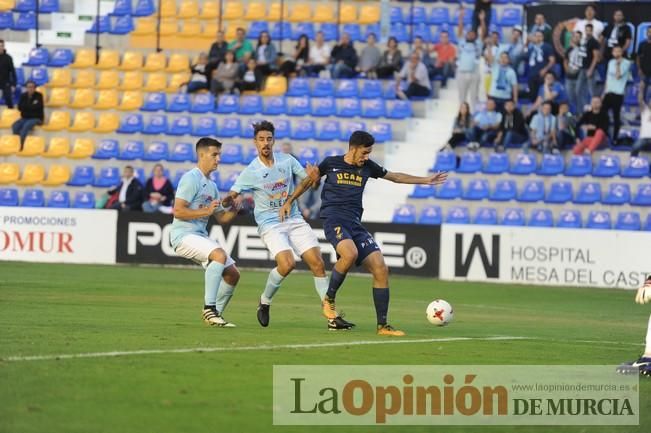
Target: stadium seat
pixel 60 57
pixel 24 6
pixel 647 223
pixel 250 104
pixel 298 106
pixel 108 177
pixel 178 63
pixel 181 125
pixel 617 194
pixel 84 80
pixel 298 87
pixel 25 21
pixel 524 164
pixel 6 20
pixel 274 86
pixel 203 103
pixel 157 124
pixel 281 31
pixel 233 11
pixel 423 191
pixel 131 101
pixel 374 109
pixel 33 198
pixel 188 9
pixel 350 127
pixel 59 199
pixel 347 13
pixel 131 61
pixel 58 147
pixel 37 57
pixel 156 151
pixel 607 166
pixel 579 166
pixel 32 174
pixel 476 189
pixel 283 128
pixel 431 215
pixel 60 78
pixel 329 130
pixel 155 62
pixel 132 123
pixel 559 192
pixel 497 163
pixel 178 103
pixel 323 87
pixel 107 149
pixel 485 216
pixel 210 10
pixel 299 13
pixel 255 11
pixel 532 191
pixel 8 117
pixel 144 8
pixel 48 6
pixel 229 127
pixel 551 165
pixel 132 80
pixel 598 220
pixel 642 195
pixel 156 82
pixel 438 16
pixel 132 150
pixel 309 155
pixel 303 130
pixel 450 190
pixel 628 221
pixel 154 102
pixel 589 193
pixel 256 28
pixel 510 17
pixel 108 59
pixel 249 155
pixel 275 105
pixel 84 58
pixel 350 107
pixel 445 161
pixel 513 217
pixel 541 218
pixel 458 215
pixel 346 89
pixel 569 219
pixel 58 121
pixel 107 100
pixel 470 162
pixel 404 214
pixel 205 127
pixel 123 25
pixel 232 154
pixel 369 14
pixel 227 184
pixel 504 190
pixel 382 131
pixel 354 31
pixel 107 122
pixel 9 145
pixel 8 197
pixel 82 148
pixel 181 152
pixel 34 146
pixel 84 200
pixel 108 80
pixel 101 25
pixel 371 89
pixel 399 110
pixel 39 76
pixel 83 98
pixel 9 172
pixel 228 104
pixel 324 13
pixel 323 107
pixel 83 175
pixel 638 166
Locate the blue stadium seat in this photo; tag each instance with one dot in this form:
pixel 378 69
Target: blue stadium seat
pixel 298 87
pixel 323 87
pixel 215 177
pixel 458 215
pixel 423 191
pixel 179 102
pixel 181 125
pixel 642 195
pixel 228 104
pixel 155 102
pixel 598 220
pixel 181 152
pixel 330 32
pixel 8 197
pixel 257 27
pixel 532 191
pixel 397 16
pixel 589 193
pixel 123 26
pixel 422 31
pixel 551 165
pixel 303 29
pixel 638 166
pixel 275 105
pixel 157 124
pixel 227 184
pixel 324 107
pixel 346 89
pixel 350 127
pixel 39 76
pixel 430 215
pixel 438 16
pixel 445 161
pixel 61 57
pixel 541 218
pixel 177 177
pixel 617 194
pixel 350 107
pixel 229 127
pixel 303 130
pixel 84 200
pixel 570 219
pixel 454 18
pixel 25 21
pixel 486 216
pixel 298 106
pixel 144 8
pixel 100 24
pixel 251 104
pixel 559 192
pixel 37 57
pixel 628 221
pixel 59 199
pixel 504 190
pixel 330 130
pixel 203 103
pixel 382 131
pixel 108 177
pixel 450 190
pixel 470 162
pixel 371 28
pixel 390 93
pixel 404 214
pixel 20 76
pixel 333 151
pixel 206 126
pixel 476 189
pixel 280 31
pixel 308 155
pixel 33 198
pixel 133 149
pixel 579 166
pixel 631 95
pixel 355 32
pixel 250 155
pixel 139 173
pixel 497 163
pixel 647 223
pixel 374 109
pixel 6 20
pixel 107 149
pixel 418 15
pixel 510 17
pixel 524 164
pixel 513 217
pixel 157 151
pixel 399 109
pixel 607 166
pixel 83 175
pixel 122 8
pixel 25 6
pixel 399 31
pixel 371 89
pixel 232 154
pixel 283 128
pixel 131 123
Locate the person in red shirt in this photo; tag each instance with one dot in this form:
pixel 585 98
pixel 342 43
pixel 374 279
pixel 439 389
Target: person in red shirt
pixel 446 57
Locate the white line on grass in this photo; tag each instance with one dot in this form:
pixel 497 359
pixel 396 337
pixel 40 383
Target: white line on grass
pixel 251 348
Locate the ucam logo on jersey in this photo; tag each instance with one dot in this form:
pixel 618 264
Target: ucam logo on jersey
pixel 533 255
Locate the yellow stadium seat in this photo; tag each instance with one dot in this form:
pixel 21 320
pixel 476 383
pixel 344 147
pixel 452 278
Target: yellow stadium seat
pixel 168 27
pixel 145 26
pixel 59 97
pixel 61 77
pixel 188 9
pixel 106 100
pixel 168 8
pixel 155 62
pixel 84 79
pixel 32 174
pixel 84 121
pixel 324 13
pixel 231 30
pixel 9 117
pixel 84 58
pixel 369 14
pixel 209 30
pixel 108 122
pixel 233 11
pixel 156 82
pixel 57 175
pixel 275 86
pixel 59 120
pixel 9 144
pixel 82 148
pixel 59 146
pixel 131 60
pixel 131 101
pixel 9 173
pixel 33 146
pixel 177 81
pixel 108 59
pixel 190 29
pixel 209 10
pixel 300 12
pixel 84 98
pixel 108 80
pixel 178 63
pixel 256 12
pixel 132 80
pixel 7 5
pixel 274 12
pixel 348 14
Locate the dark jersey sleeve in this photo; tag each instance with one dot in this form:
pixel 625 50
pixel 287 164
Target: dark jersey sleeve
pixel 323 167
pixel 376 169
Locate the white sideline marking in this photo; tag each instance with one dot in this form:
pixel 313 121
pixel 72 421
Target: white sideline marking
pixel 250 348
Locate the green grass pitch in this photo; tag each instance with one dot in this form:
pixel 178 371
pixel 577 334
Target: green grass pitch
pixel 65 309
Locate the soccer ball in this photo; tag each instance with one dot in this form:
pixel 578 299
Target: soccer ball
pixel 439 312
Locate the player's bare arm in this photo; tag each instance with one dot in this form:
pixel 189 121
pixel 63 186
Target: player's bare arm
pixel 183 212
pixel 435 179
pixel 286 210
pixel 229 200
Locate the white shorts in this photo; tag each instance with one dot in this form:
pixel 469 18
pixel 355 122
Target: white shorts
pixel 198 248
pixel 295 235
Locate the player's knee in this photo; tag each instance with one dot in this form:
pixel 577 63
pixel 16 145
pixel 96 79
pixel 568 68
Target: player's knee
pixel 218 255
pixel 232 276
pixel 350 256
pixel 286 265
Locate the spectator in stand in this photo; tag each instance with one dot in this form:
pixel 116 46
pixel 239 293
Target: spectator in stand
pixel 462 131
pixel 344 58
pixel 391 62
pixel 226 75
pixel 513 129
pixel 481 6
pixel 420 47
pixel 198 79
pixel 515 49
pixel 504 82
pixel 541 60
pixel 644 62
pixel 594 125
pixel 415 73
pixel 319 55
pixel 446 57
pixel 128 194
pixel 540 25
pixel 159 192
pixel 566 131
pixel 644 140
pixel 241 46
pixel 618 71
pixel 591 54
pixel 573 62
pixel 543 130
pixel 250 79
pixel 295 64
pixel 217 53
pixel 369 58
pixel 486 126
pixel 470 49
pixel 492 50
pixel 551 91
pixel 597 26
pixel 616 34
pixel 30 106
pixel 265 55
pixel 8 77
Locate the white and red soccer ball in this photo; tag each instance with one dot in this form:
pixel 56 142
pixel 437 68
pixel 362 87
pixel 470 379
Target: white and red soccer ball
pixel 439 312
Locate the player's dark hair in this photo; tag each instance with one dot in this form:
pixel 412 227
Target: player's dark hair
pixel 265 125
pixel 361 139
pixel 589 25
pixel 548 102
pixel 206 142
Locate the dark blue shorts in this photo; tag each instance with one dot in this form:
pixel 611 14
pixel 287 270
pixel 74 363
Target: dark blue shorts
pixel 336 230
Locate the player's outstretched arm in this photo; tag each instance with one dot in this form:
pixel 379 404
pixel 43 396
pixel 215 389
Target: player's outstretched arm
pixel 435 179
pixel 229 200
pixel 313 175
pixel 183 212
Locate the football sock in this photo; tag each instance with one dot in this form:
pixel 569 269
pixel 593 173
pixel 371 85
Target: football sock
pixel 647 349
pixel 381 300
pixel 224 295
pixel 213 279
pixel 321 286
pixel 273 284
pixel 336 280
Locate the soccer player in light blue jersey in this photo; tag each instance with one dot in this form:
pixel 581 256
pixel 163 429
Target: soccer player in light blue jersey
pixel 197 199
pixel 271 179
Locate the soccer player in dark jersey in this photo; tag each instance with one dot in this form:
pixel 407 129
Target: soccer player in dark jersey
pixel 341 210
